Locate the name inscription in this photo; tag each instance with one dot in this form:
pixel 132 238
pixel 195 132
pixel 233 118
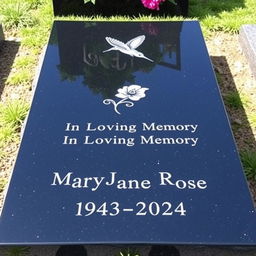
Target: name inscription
pixel 140 208
pixel 94 183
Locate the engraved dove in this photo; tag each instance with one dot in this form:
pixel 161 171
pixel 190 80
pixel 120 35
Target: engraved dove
pixel 128 48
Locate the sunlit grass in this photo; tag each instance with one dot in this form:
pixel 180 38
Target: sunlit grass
pixel 7 133
pixel 17 14
pixel 220 15
pixel 249 162
pixel 3 182
pixel 23 76
pixel 23 62
pixel 13 113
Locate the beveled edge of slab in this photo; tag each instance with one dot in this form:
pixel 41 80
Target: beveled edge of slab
pixel 247 39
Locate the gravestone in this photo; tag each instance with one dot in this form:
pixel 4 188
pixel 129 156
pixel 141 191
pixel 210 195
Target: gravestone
pixel 247 38
pixel 117 7
pixel 127 142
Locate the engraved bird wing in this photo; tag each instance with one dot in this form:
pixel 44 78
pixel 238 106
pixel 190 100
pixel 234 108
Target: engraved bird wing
pixel 136 42
pixel 117 43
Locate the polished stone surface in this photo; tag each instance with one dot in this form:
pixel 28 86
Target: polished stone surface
pixel 247 38
pixel 127 141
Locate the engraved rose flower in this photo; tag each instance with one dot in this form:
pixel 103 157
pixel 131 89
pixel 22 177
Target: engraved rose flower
pixel 132 92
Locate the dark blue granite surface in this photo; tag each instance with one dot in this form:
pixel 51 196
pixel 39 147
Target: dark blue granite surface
pixel 147 114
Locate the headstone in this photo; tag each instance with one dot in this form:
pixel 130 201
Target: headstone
pixel 127 142
pixel 117 7
pixel 247 38
pixel 1 34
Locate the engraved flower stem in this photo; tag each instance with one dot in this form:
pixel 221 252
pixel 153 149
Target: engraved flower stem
pixel 123 101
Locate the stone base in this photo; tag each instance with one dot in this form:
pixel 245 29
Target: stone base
pixel 247 38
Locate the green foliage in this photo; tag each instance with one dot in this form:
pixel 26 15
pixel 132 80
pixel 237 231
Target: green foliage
pixel 23 76
pixel 6 132
pixel 3 182
pixel 13 113
pixel 252 119
pixel 34 4
pixel 233 100
pixel 23 62
pixel 248 159
pixel 218 77
pixel 18 251
pixel 34 37
pixel 236 100
pixel 221 15
pixel 17 14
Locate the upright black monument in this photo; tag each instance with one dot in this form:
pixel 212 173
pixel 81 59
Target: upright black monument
pixel 127 142
pixel 117 7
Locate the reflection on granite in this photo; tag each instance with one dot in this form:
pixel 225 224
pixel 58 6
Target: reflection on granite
pixel 105 72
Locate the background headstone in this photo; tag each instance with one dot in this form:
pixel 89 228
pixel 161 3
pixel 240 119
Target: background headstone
pixel 247 38
pixel 117 7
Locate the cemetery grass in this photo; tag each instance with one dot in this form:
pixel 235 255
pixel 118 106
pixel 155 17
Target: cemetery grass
pixel 27 24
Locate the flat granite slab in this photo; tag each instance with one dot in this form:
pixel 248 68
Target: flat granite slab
pixel 247 38
pixel 127 142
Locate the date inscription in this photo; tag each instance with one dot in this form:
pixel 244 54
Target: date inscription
pixel 140 209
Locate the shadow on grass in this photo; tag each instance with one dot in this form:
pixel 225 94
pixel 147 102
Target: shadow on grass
pixel 8 51
pixel 203 8
pixel 240 125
